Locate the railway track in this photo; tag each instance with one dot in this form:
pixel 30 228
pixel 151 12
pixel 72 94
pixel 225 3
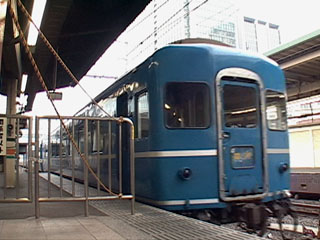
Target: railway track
pixel 306 207
pixel 308 214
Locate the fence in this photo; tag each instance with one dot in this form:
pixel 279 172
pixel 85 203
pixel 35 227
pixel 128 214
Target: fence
pixel 87 158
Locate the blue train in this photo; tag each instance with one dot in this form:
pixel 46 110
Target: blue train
pixel 211 137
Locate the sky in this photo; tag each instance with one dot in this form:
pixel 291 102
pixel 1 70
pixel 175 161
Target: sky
pixel 295 18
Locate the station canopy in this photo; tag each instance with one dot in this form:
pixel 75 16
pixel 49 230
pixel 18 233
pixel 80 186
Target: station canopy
pixel 300 60
pixel 79 30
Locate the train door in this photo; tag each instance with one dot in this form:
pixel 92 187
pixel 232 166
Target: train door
pixel 240 112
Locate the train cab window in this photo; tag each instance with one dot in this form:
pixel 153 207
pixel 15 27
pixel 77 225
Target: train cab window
pixel 143 115
pixel 187 105
pixel 276 110
pixel 240 106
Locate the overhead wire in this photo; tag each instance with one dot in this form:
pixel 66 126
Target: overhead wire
pixel 100 76
pixel 130 28
pixel 168 20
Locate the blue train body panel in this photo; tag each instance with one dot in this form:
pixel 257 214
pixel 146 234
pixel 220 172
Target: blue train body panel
pixel 201 64
pixel 210 127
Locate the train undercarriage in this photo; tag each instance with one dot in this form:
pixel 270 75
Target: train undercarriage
pixel 250 216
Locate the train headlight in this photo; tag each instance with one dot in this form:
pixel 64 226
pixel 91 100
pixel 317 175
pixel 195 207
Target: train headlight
pixel 185 173
pixel 283 167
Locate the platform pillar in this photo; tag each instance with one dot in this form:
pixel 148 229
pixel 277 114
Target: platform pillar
pixel 10 158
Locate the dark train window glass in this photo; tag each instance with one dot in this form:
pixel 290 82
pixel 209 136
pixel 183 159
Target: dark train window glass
pixel 276 110
pixel 240 106
pixel 143 115
pixel 187 105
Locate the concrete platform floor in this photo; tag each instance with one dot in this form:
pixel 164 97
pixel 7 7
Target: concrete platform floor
pixel 80 227
pixel 110 219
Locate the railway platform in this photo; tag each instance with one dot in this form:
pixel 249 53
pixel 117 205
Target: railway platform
pixel 111 219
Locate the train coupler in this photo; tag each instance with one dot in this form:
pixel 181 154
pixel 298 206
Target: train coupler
pixel 253 218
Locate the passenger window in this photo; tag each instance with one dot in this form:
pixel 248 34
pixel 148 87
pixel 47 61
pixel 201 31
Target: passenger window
pixel 187 105
pixel 109 105
pixel 276 110
pixel 240 106
pixel 143 115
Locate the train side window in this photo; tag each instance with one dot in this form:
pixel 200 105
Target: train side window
pixel 187 105
pixel 109 105
pixel 143 115
pixel 276 110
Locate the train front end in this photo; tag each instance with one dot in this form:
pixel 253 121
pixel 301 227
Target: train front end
pixel 219 143
pixel 253 153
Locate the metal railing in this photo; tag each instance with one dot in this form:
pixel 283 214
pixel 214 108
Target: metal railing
pixel 96 151
pixel 17 137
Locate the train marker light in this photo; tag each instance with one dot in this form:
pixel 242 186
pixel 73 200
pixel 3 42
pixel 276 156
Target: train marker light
pixel 283 167
pixel 185 173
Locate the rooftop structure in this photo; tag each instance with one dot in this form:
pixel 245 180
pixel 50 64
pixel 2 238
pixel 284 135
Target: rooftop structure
pixel 258 35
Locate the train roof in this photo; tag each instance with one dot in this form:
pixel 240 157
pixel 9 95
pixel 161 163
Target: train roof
pixel 210 46
pixel 218 49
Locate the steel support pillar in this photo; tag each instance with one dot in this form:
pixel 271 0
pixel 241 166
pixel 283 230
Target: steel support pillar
pixel 10 158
